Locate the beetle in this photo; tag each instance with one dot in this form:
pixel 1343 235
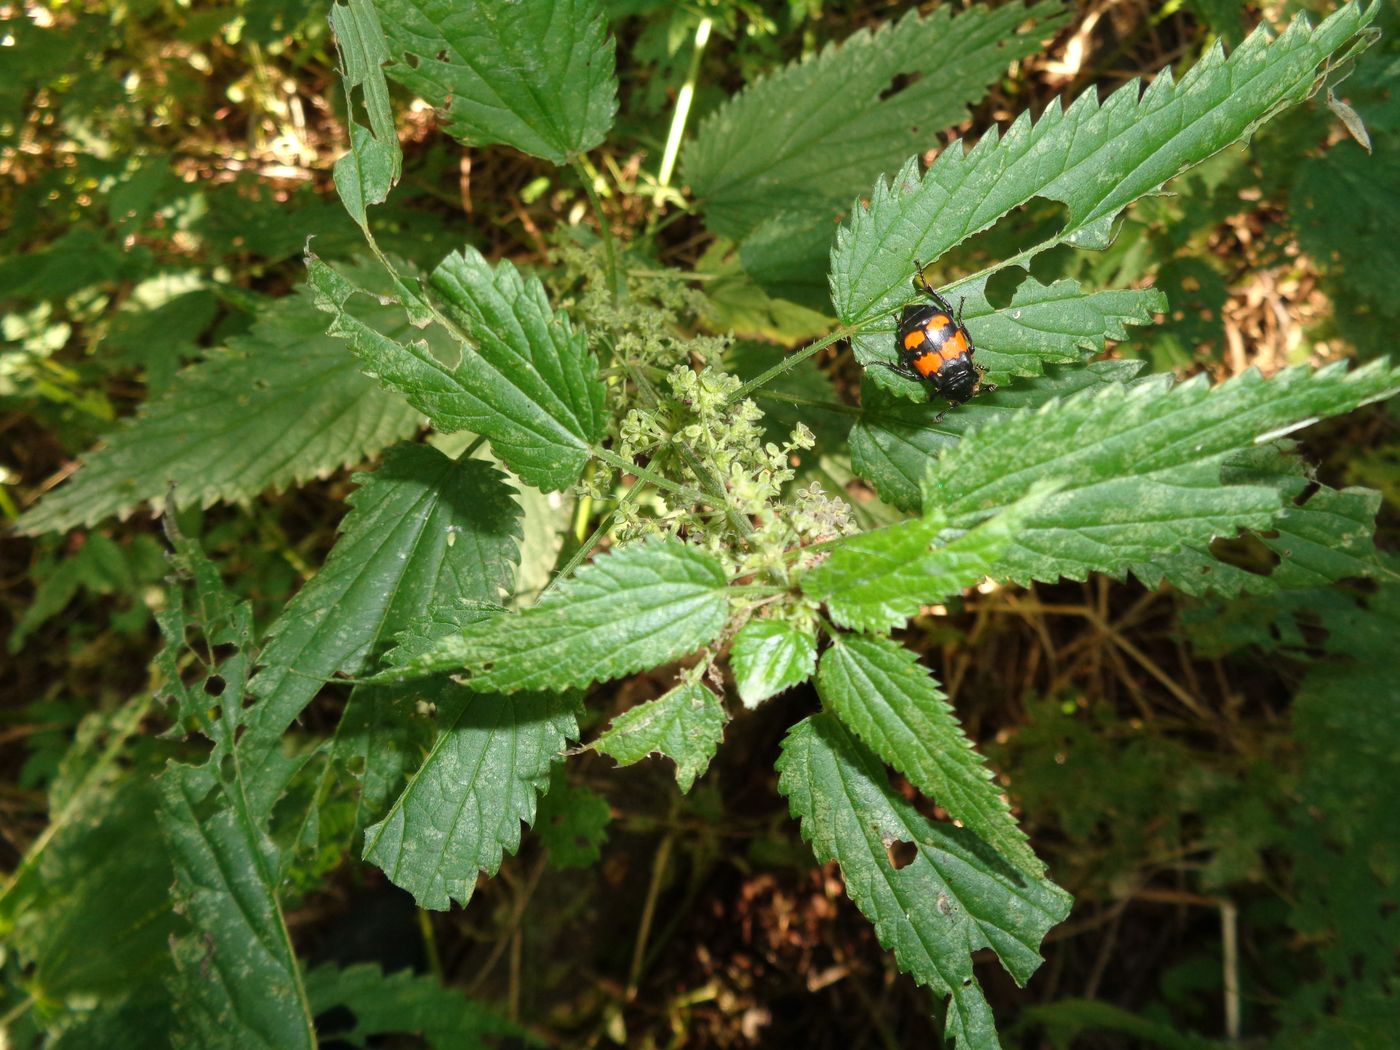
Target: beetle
pixel 935 348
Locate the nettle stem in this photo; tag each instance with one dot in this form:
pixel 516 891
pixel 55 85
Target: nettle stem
pixel 682 113
pixel 790 362
pixel 637 470
pixel 588 177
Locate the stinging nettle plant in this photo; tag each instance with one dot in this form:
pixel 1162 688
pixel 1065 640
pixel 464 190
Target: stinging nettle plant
pixel 694 538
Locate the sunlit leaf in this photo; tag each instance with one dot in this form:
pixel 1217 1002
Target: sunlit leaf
pixel 535 74
pixel 685 725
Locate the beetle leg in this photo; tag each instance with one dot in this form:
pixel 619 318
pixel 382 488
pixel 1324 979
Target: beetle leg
pixel 899 370
pixel 981 375
pixel 961 303
pixel 939 418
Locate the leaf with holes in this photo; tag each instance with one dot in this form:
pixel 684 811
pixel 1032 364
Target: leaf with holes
pixel 423 531
pixel 945 896
pixel 366 174
pixel 1142 467
pixel 879 690
pixel 238 983
pixel 1317 540
pixel 1059 323
pixel 537 75
pixel 525 379
pixel 1095 158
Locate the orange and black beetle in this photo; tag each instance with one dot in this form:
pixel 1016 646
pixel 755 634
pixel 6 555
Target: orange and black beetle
pixel 934 347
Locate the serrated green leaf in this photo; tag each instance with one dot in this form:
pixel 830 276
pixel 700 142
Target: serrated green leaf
pixel 56 914
pixel 463 808
pixel 879 690
pixel 237 977
pixel 423 531
pixel 686 725
pixel 768 656
pixel 572 823
pixel 239 984
pixel 100 566
pixel 366 174
pixel 378 741
pixel 403 1003
pixel 1324 538
pixel 879 579
pixel 1096 158
pixel 282 404
pixel 812 135
pixel 954 897
pixel 537 75
pixel 1059 323
pixel 1346 722
pixel 1142 468
pixel 894 442
pixel 528 382
pixel 633 609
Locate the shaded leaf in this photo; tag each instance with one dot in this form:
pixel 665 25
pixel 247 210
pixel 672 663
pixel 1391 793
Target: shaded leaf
pixel 572 823
pixel 881 692
pixel 954 897
pixel 403 1003
pixel 812 135
pixel 464 807
pixel 239 983
pixel 423 531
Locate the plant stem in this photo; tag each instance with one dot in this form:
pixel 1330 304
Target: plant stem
pixel 614 460
pixel 790 362
pixel 658 872
pixel 604 230
pixel 586 547
pixel 682 113
pixel 807 402
pixel 430 949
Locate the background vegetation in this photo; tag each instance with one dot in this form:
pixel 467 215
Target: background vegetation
pixel 1198 736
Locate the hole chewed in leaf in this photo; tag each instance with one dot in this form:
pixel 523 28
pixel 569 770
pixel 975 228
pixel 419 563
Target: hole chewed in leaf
pixel 1246 552
pixel 901 854
pixel 899 82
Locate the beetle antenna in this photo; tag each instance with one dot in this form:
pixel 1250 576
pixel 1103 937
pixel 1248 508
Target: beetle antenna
pixel 920 281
